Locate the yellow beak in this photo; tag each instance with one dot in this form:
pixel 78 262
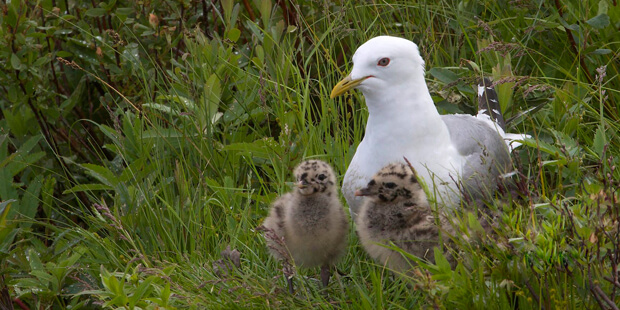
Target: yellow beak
pixel 346 84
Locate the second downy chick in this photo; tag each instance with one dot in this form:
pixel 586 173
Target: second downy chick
pixel 310 219
pixel 396 209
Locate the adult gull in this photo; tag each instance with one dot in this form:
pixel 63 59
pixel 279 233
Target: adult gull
pixel 453 154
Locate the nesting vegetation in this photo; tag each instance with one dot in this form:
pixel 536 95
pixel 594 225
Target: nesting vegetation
pixel 143 142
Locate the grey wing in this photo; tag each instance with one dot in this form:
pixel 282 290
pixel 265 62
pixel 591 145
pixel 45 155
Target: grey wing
pixel 485 150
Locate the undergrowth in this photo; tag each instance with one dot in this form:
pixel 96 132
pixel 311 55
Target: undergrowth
pixel 142 143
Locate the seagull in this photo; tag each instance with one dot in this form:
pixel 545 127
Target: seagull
pixel 396 210
pixel 454 155
pixel 310 220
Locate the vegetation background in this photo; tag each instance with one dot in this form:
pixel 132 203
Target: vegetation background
pixel 140 139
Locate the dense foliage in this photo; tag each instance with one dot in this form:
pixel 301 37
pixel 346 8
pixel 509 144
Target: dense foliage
pixel 139 139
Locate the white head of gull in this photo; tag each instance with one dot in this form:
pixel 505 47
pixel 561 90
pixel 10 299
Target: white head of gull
pixel 453 154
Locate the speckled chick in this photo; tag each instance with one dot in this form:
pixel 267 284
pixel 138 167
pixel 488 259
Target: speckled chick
pixel 396 209
pixel 311 220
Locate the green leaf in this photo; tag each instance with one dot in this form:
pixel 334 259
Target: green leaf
pixel 444 75
pixel 44 277
pixel 15 62
pixel 120 300
pixel 573 27
pixel 599 140
pixel 264 148
pixel 162 133
pixel 87 188
pixel 567 141
pixel 213 92
pixel 30 200
pixel 110 133
pixel 23 161
pixel 165 295
pixel 543 146
pixel 260 54
pixel 47 195
pixel 11 14
pixel 124 11
pixel 79 94
pixel 472 66
pixel 35 261
pixel 7 235
pixel 265 11
pixel 234 34
pixel 63 54
pixel 103 174
pixel 474 223
pixel 603 7
pixel 601 51
pixel 37 35
pixel 599 21
pixel 41 61
pixel 186 102
pixel 227 5
pixel 165 108
pixel 168 270
pixel 109 5
pixel 7 190
pixel 440 260
pixel 30 144
pixel 5 207
pixel 111 283
pixel 141 290
pixel 7 160
pixel 95 12
pixel 137 170
pixel 61 32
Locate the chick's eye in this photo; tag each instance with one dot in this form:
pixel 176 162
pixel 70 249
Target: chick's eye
pixel 383 62
pixel 390 185
pixel 322 177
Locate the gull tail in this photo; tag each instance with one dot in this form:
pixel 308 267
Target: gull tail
pixel 488 103
pixel 490 111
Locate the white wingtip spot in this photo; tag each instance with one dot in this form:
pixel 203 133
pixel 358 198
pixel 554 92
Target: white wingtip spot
pixel 508 175
pixel 480 90
pixel 512 140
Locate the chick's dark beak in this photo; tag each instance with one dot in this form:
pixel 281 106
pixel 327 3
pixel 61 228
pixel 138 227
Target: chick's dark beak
pixel 302 184
pixel 362 192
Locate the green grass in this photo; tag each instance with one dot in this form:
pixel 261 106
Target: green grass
pixel 202 130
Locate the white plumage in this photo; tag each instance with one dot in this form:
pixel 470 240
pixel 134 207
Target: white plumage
pixel 451 153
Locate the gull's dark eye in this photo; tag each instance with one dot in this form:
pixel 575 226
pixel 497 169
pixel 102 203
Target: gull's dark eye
pixel 322 177
pixel 383 62
pixel 390 185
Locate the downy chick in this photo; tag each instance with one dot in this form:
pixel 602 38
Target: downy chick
pixel 310 219
pixel 396 210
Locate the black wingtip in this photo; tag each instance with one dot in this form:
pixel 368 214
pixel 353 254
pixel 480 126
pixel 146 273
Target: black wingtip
pixel 488 101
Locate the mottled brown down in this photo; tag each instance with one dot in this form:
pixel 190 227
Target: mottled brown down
pixel 310 219
pixel 396 209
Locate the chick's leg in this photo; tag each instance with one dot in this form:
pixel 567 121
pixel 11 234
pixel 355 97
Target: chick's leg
pixel 325 274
